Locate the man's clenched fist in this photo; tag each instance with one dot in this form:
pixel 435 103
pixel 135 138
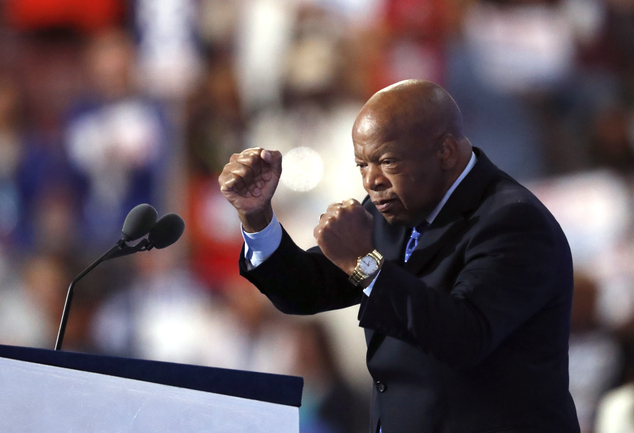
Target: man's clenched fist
pixel 249 181
pixel 344 233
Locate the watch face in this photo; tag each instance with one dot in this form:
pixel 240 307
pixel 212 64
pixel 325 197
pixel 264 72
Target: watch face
pixel 368 265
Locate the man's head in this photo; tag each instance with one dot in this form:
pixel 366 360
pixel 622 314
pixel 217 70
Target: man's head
pixel 409 146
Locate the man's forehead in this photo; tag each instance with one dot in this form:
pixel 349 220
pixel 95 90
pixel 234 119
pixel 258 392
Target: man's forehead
pixel 375 149
pixel 375 125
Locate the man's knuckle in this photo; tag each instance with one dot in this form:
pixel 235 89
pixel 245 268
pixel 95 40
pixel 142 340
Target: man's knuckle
pixel 235 182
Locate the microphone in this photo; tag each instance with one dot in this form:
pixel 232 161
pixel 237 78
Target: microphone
pixel 166 231
pixel 141 221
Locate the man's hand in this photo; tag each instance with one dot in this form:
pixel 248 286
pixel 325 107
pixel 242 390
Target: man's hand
pixel 249 181
pixel 344 233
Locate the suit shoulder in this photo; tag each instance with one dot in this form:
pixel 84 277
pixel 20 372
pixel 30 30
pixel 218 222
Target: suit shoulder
pixel 504 192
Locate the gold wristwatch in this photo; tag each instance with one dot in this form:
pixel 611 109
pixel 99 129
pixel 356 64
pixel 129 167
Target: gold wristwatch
pixel 367 267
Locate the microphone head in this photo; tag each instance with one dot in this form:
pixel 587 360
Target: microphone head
pixel 168 229
pixel 139 222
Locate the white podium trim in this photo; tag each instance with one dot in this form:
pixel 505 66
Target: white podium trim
pixel 37 398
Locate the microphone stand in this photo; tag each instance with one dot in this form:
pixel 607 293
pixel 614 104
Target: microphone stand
pixel 119 250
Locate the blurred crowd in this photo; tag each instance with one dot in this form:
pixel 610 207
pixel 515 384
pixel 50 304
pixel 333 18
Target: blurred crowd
pixel 110 103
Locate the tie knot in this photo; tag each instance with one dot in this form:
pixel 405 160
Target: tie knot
pixel 415 234
pixel 420 229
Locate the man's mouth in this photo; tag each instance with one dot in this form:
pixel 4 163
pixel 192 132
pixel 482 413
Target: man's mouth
pixel 384 205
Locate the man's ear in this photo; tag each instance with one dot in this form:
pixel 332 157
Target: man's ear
pixel 449 152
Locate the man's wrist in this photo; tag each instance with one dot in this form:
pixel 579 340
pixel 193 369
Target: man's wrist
pixel 256 221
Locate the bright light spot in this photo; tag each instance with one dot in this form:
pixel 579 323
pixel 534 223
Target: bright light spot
pixel 302 169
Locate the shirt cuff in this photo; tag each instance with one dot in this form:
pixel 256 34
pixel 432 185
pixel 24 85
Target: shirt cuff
pixel 368 289
pixel 261 245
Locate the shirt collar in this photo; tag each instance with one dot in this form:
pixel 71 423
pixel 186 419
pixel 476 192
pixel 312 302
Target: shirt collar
pixel 432 216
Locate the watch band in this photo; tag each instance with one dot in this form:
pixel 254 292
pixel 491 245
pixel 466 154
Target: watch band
pixel 358 276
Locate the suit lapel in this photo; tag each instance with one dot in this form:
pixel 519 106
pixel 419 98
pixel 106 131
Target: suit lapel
pixel 389 240
pixel 453 217
pixel 430 242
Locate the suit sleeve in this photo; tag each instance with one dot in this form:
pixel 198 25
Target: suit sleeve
pixel 301 282
pixel 513 266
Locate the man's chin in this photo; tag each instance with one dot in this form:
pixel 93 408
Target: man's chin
pixel 397 219
pixel 403 219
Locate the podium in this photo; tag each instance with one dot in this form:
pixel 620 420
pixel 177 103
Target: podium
pixel 52 391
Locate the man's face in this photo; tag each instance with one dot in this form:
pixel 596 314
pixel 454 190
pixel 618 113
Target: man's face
pixel 404 177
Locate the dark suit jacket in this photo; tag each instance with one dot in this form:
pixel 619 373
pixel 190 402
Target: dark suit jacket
pixel 471 334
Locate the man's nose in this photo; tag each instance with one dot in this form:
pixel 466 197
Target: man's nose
pixel 374 179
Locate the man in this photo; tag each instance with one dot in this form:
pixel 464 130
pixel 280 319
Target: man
pixel 464 277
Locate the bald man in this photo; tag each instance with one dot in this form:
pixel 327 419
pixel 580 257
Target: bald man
pixel 463 276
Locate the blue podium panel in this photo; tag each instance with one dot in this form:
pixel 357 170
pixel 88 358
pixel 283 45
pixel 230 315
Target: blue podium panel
pixel 38 397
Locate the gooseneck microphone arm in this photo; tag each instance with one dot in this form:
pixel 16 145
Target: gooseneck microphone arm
pixel 69 294
pixel 139 222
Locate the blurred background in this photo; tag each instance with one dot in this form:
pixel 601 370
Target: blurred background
pixel 110 103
